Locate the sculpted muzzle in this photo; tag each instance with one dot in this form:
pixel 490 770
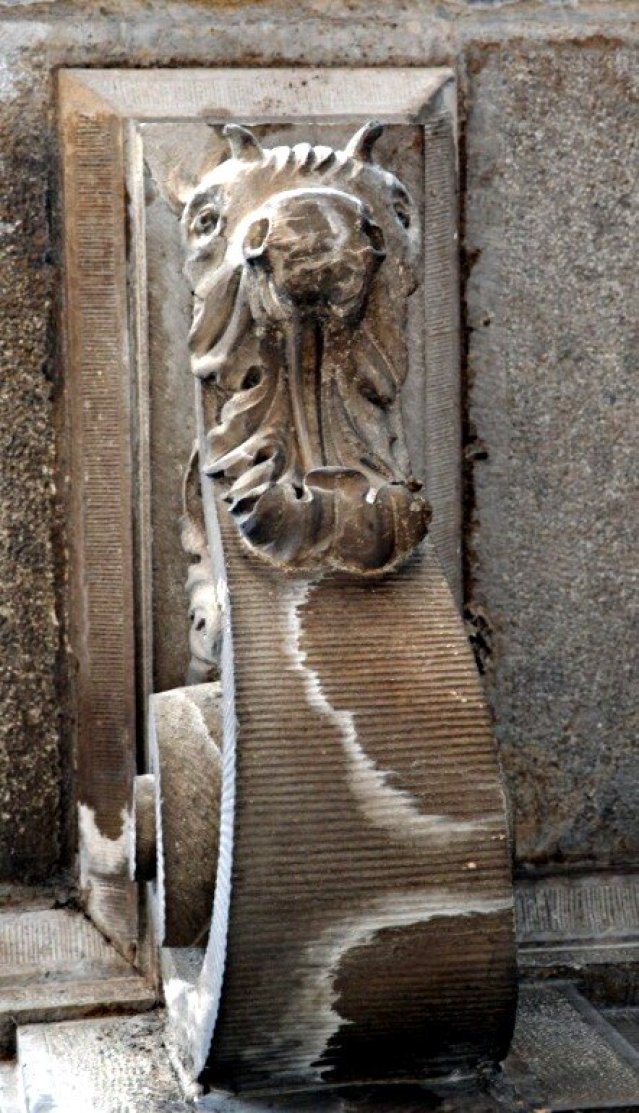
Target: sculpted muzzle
pixel 313 251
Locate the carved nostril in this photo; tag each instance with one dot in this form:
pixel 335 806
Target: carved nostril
pixel 256 237
pixel 375 235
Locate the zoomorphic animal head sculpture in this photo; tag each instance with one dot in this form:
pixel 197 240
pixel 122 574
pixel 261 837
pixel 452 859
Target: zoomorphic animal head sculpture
pixel 301 260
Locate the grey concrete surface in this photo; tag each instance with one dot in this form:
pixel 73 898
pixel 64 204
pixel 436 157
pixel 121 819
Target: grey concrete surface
pixel 545 91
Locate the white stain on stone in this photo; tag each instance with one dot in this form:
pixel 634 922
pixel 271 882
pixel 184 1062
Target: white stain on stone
pixel 99 853
pixel 188 1001
pixel 101 859
pixel 393 809
pixel 313 1018
pixel 44 1088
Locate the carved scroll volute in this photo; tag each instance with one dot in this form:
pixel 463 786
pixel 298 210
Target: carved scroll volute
pixel 301 260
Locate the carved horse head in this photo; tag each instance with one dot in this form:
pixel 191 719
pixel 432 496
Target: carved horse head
pixel 301 260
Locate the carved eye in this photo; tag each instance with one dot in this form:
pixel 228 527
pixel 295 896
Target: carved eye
pixel 205 221
pixel 402 213
pixel 381 401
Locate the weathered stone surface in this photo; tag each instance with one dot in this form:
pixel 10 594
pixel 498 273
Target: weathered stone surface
pixel 626 1021
pixel 55 965
pixel 552 372
pixel 585 928
pixel 98 1066
pixel 571 778
pixel 29 711
pixel 9 1090
pixel 565 1056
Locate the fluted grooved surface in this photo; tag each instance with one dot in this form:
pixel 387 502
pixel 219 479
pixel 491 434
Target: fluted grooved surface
pixel 371 920
pixel 101 626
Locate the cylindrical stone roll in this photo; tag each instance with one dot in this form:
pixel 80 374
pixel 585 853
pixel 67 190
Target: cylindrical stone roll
pixel 184 732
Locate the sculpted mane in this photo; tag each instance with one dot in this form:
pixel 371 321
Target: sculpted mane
pixel 301 260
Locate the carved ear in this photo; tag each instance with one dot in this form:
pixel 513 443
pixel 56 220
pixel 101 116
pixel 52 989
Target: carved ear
pixel 178 187
pixel 362 143
pixel 243 143
pixel 187 172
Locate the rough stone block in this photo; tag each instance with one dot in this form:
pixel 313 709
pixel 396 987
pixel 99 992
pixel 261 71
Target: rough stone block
pixel 552 372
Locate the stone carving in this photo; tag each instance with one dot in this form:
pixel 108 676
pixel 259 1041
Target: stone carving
pixel 301 260
pixel 204 610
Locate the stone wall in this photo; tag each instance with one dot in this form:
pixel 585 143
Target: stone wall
pixel 552 377
pixel 546 103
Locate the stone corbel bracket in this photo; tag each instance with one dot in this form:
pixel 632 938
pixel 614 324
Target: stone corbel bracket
pixel 361 905
pixel 359 787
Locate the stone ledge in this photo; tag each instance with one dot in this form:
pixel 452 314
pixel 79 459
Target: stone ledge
pixel 54 965
pixel 565 1057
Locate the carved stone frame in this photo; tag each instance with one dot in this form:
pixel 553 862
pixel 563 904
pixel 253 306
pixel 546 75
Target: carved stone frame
pixel 105 335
